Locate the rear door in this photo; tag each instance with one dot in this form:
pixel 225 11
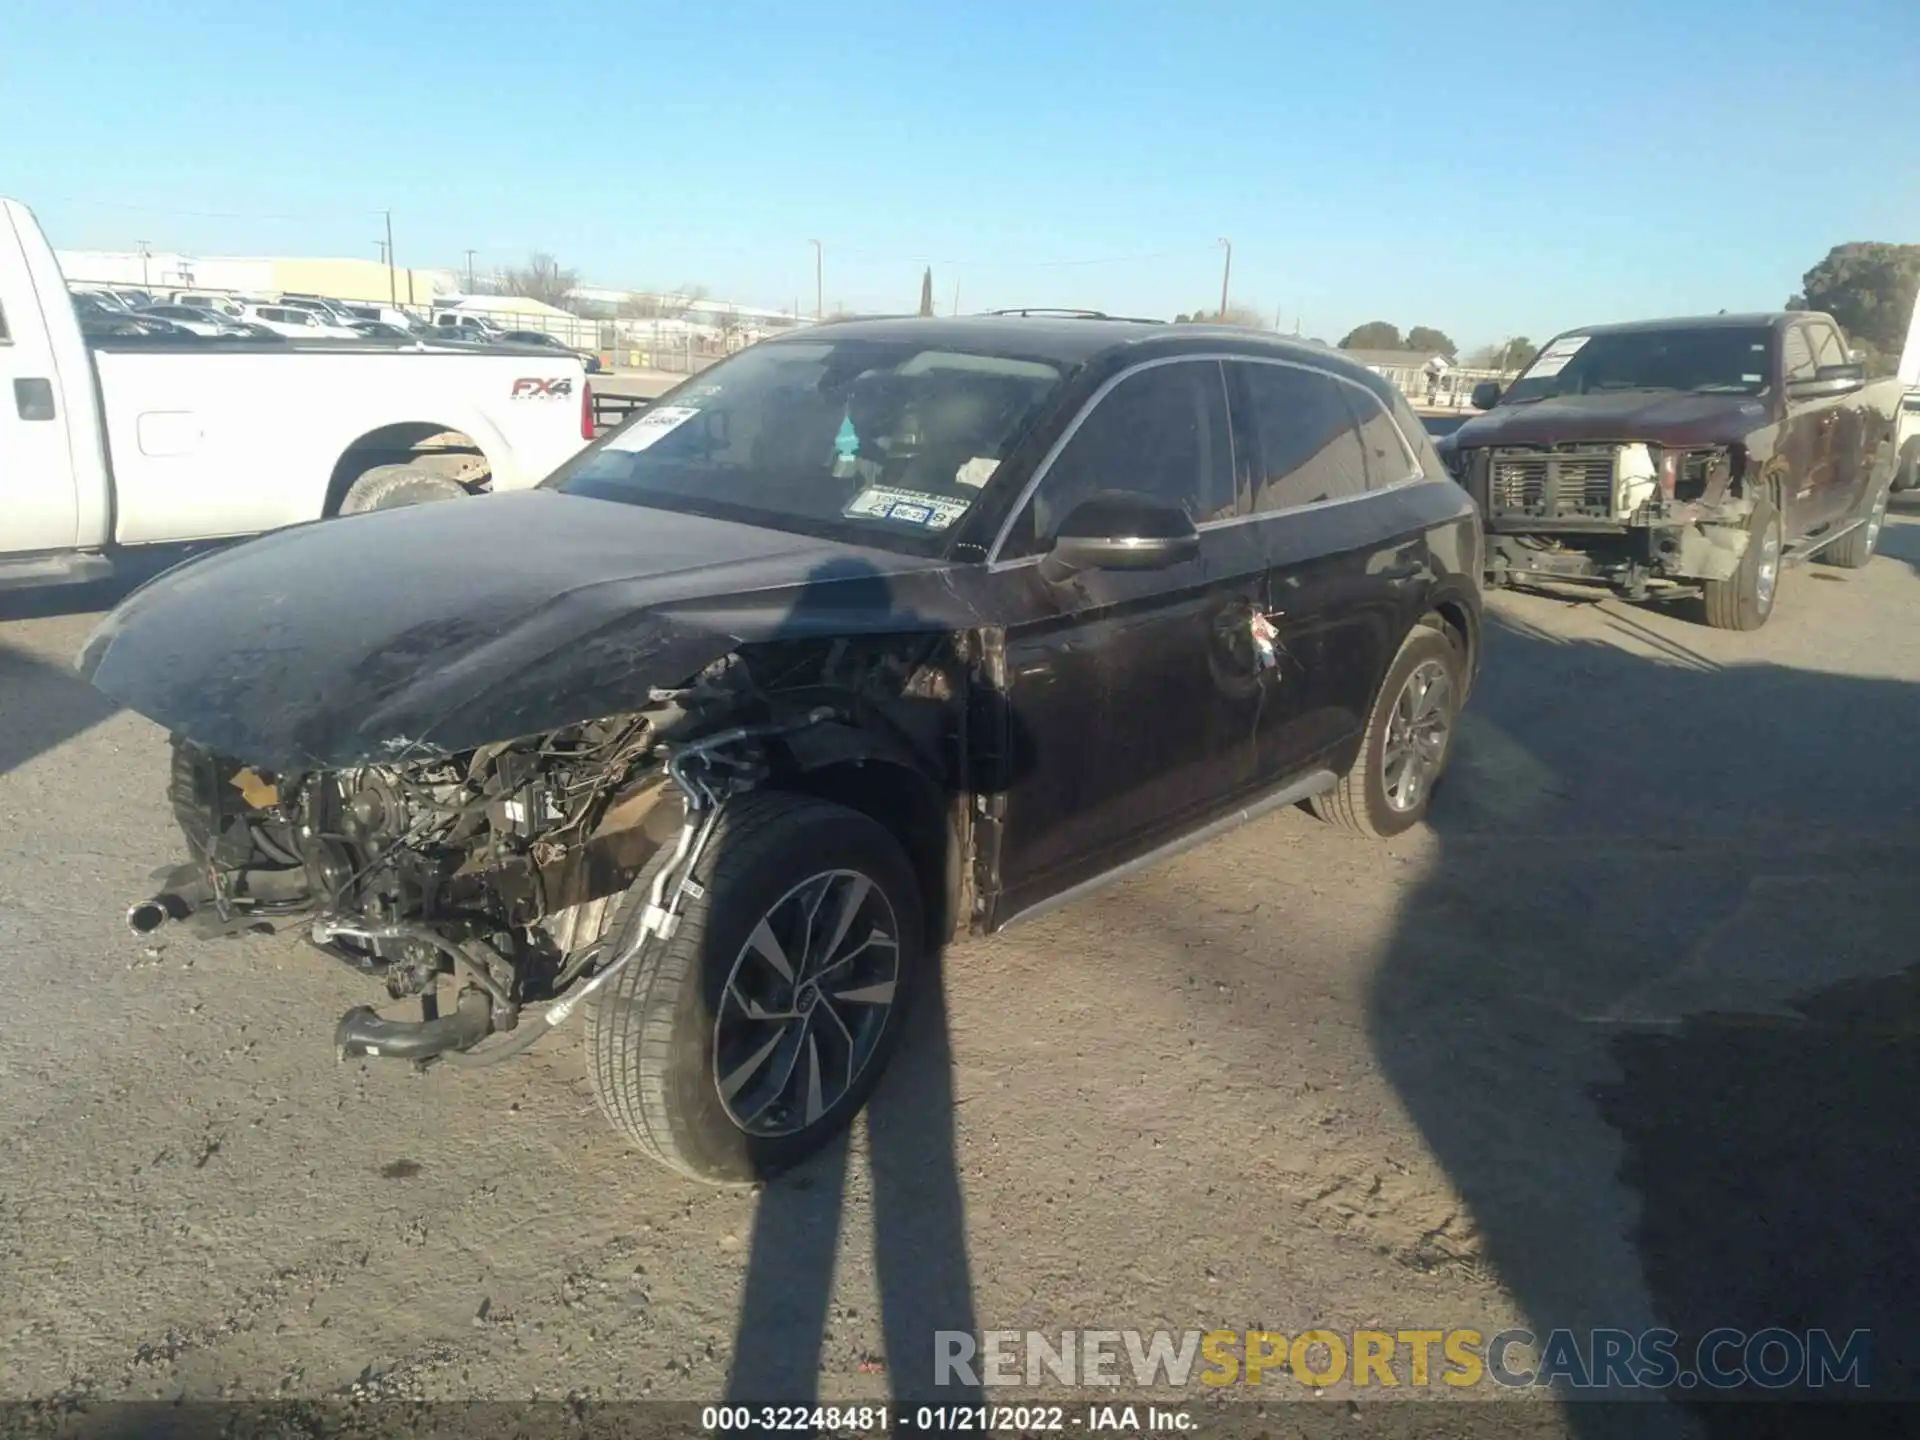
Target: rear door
pixel 39 501
pixel 1341 576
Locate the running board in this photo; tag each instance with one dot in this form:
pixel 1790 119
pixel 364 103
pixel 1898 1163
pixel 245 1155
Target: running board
pixel 1314 782
pixel 1808 548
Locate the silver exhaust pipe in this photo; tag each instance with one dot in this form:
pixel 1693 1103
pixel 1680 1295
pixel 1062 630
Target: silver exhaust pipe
pixel 147 916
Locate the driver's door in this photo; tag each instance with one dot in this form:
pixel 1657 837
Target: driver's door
pixel 1133 696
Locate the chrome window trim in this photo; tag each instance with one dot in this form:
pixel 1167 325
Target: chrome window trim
pixel 1034 481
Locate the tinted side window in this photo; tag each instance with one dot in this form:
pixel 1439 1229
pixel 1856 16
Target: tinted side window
pixel 1161 432
pixel 1305 441
pixel 1797 354
pixel 1389 461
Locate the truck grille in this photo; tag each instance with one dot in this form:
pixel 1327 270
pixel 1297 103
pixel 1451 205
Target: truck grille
pixel 1566 482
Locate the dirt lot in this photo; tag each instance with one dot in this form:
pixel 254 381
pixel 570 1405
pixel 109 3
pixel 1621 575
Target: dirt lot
pixel 1629 1036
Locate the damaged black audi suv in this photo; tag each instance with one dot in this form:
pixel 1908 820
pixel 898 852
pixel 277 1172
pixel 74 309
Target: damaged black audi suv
pixel 874 635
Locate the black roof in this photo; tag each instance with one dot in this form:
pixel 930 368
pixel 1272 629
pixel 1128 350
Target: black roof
pixel 1072 340
pixel 1757 319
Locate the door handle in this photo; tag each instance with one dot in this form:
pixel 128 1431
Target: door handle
pixel 33 399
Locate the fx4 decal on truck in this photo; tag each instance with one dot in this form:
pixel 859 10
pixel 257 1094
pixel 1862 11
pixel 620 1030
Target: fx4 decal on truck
pixel 531 389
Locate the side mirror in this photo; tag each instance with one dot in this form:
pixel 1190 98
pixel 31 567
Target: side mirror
pixel 1827 381
pixel 1485 395
pixel 1119 530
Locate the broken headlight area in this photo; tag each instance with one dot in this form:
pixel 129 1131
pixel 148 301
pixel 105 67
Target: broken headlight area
pixel 498 867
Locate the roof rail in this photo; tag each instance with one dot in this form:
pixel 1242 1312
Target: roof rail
pixel 1062 313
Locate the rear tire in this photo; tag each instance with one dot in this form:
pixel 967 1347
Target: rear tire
pixel 1854 549
pixel 689 1016
pixel 1744 601
pixel 387 487
pixel 1373 798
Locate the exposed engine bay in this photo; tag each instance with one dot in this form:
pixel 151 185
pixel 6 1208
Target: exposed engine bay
pixel 499 870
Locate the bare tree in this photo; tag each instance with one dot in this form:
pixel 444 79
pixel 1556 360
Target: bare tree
pixel 541 279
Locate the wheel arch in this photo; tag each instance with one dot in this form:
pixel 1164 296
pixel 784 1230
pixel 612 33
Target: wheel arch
pixel 390 444
pixel 879 777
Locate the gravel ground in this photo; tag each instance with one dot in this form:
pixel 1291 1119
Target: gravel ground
pixel 1626 1037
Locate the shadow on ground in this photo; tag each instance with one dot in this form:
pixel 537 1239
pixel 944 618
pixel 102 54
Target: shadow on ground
pixel 42 705
pixel 1663 1031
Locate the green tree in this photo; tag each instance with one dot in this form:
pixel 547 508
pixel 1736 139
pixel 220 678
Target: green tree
pixel 1869 288
pixel 1235 315
pixel 1429 341
pixel 1374 335
pixel 1514 354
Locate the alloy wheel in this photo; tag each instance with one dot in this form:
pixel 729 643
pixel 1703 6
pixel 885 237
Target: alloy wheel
pixel 1417 731
pixel 806 1002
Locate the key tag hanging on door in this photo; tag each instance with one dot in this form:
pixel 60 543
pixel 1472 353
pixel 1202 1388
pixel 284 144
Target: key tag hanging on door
pixel 1265 638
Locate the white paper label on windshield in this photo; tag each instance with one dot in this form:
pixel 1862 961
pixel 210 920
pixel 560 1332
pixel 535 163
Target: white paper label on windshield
pixel 910 507
pixel 653 426
pixel 977 471
pixel 1553 359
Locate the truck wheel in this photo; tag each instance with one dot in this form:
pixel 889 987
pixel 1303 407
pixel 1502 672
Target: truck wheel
pixel 386 487
pixel 1409 738
pixel 1856 547
pixel 754 1035
pixel 1744 601
pixel 1906 475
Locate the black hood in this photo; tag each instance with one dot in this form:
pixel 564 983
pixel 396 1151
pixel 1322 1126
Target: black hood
pixel 1663 417
pixel 434 628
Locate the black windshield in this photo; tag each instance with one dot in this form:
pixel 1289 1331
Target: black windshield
pixel 888 440
pixel 1716 360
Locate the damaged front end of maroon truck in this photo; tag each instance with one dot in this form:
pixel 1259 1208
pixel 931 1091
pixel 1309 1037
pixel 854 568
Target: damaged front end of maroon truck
pixel 1682 459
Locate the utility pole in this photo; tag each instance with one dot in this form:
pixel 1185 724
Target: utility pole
pixel 470 272
pixel 142 244
pixel 956 294
pixel 1226 274
pixel 393 285
pixel 819 282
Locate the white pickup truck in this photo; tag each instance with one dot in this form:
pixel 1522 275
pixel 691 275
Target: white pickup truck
pixel 1907 475
pixel 111 442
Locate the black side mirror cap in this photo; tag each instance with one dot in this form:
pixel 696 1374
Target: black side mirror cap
pixel 1485 395
pixel 1121 530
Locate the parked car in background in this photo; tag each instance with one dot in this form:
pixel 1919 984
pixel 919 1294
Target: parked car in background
pixel 470 325
pixel 201 300
pixel 199 321
pixel 125 301
pixel 124 430
pixel 852 643
pixel 295 323
pixel 540 340
pixel 331 312
pixel 1667 458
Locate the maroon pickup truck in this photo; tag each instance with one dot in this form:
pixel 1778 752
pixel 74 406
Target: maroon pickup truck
pixel 1668 458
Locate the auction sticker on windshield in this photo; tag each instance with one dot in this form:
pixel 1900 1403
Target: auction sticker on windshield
pixel 911 507
pixel 652 427
pixel 1553 359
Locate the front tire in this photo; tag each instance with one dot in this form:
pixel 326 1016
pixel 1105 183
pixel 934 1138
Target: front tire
pixel 1744 601
pixel 753 1036
pixel 1408 741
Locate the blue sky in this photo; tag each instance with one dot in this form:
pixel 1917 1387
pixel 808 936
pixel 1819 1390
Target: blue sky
pixel 1541 167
